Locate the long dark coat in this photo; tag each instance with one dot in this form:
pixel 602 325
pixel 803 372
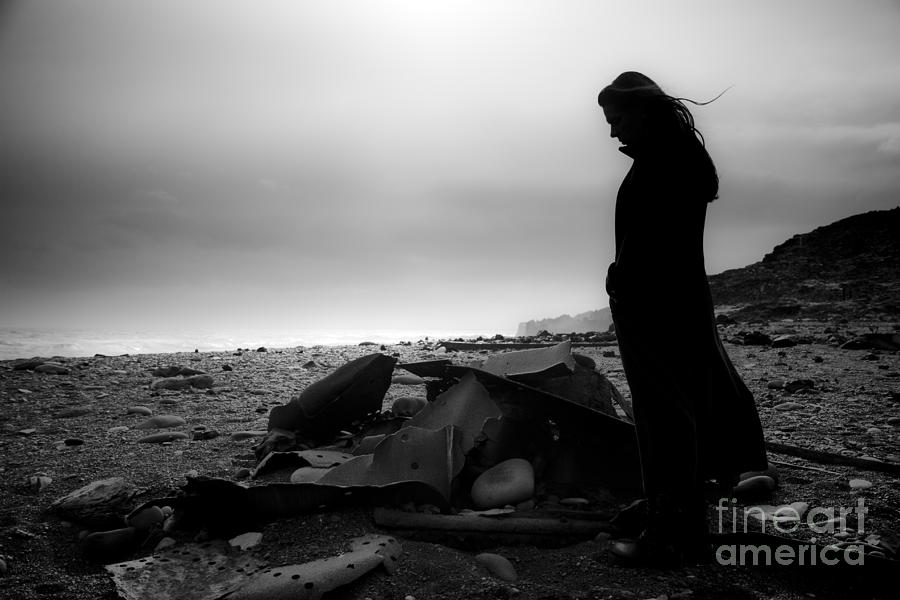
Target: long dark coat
pixel 695 417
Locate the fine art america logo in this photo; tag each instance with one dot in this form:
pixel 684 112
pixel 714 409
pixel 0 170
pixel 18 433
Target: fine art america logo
pixel 789 519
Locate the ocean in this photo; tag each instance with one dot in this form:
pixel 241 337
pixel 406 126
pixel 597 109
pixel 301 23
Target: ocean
pixel 25 342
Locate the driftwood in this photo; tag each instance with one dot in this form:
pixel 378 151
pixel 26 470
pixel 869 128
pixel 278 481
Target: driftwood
pixel 784 463
pixel 481 526
pixel 830 458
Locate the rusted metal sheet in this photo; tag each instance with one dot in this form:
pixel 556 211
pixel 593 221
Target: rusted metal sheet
pixel 602 446
pixel 427 368
pixel 583 386
pixel 467 405
pixel 413 454
pixel 351 392
pixel 321 459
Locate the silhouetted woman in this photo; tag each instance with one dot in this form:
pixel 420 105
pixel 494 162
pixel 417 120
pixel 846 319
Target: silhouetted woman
pixel 695 419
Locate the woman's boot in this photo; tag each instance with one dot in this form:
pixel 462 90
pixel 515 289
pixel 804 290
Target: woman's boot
pixel 676 535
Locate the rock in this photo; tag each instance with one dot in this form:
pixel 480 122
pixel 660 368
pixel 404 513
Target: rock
pixel 200 432
pixel 3 568
pixel 788 406
pixel 99 502
pixel 784 515
pixel 139 410
pixel 408 406
pixel 758 486
pixel 723 319
pixel 170 383
pixel 201 381
pixel 73 441
pixel 52 368
pixel 775 384
pixel 28 431
pixel 242 473
pixel 860 484
pixel 109 546
pixel 28 365
pixel 170 371
pixel 162 437
pixel 784 341
pixel 262 349
pixel 508 482
pixel 874 341
pixel 771 471
pixel 498 566
pixel 39 482
pixel 796 385
pixel 574 502
pixel 76 411
pixel 160 422
pixel 239 436
pixel 188 372
pixel 407 380
pixel 147 518
pixel 164 543
pixel 246 540
pixel 895 421
pixel 873 431
pixel 755 338
pixel 227 367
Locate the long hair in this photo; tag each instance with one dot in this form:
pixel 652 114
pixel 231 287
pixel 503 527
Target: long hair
pixel 666 115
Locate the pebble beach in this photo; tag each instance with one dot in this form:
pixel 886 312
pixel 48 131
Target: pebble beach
pixel 64 426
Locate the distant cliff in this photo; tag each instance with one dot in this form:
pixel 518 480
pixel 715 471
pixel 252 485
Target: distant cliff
pixel 849 269
pixel 594 320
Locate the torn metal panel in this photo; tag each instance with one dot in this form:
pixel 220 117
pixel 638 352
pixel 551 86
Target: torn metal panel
pixel 351 392
pixel 207 571
pixel 504 438
pixel 226 508
pixel 320 459
pixel 215 571
pixel 427 368
pixel 275 440
pixel 432 457
pixel 367 444
pixel 311 580
pixel 466 405
pixel 583 386
pixel 531 365
pixel 606 444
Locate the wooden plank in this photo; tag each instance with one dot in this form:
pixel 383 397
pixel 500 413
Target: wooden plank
pixel 830 458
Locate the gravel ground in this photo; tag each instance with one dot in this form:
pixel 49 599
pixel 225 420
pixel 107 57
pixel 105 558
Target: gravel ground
pixel 847 411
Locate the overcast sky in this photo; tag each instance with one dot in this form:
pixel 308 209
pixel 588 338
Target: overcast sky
pixel 387 164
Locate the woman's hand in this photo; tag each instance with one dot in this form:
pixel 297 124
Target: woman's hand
pixel 611 281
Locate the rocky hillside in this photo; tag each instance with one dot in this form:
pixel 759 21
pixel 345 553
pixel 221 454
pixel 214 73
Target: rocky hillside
pixel 848 269
pixel 594 320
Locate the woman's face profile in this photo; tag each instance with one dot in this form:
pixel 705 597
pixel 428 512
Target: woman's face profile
pixel 624 125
